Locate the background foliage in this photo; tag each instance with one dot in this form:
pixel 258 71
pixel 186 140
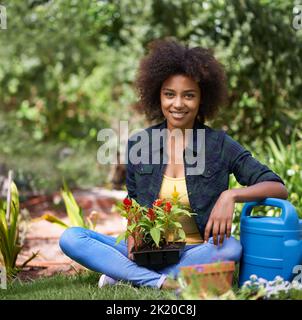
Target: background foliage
pixel 67 68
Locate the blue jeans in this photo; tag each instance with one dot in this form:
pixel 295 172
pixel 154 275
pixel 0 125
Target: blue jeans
pixel 99 253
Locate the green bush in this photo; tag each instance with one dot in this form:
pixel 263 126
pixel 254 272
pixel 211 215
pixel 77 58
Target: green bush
pixel 285 160
pixel 67 71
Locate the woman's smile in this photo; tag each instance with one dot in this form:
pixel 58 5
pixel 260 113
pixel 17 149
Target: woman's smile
pixel 178 115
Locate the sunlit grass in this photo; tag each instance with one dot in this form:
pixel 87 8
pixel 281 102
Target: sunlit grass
pixel 82 286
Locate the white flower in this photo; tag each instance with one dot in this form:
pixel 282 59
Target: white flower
pixel 253 278
pixel 290 172
pixel 271 289
pixel 247 283
pixel 262 281
pixel 278 279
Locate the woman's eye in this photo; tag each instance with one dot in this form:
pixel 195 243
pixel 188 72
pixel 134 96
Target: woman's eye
pixel 190 95
pixel 170 94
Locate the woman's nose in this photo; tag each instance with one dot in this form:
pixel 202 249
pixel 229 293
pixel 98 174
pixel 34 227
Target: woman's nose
pixel 178 102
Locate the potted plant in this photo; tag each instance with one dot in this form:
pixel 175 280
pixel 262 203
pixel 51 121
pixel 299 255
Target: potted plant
pixel 211 279
pixel 158 235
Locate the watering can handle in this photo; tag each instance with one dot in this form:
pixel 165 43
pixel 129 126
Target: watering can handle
pixel 288 211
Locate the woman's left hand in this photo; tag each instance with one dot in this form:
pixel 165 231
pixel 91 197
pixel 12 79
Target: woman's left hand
pixel 221 218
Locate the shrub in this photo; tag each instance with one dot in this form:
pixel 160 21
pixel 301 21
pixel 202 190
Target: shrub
pixel 10 240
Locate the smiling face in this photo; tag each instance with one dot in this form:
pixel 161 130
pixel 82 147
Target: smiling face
pixel 180 100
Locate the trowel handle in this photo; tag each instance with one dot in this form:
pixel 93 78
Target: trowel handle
pixel 288 211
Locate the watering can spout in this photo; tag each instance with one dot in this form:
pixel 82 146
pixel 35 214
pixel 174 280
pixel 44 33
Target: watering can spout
pixel 293 254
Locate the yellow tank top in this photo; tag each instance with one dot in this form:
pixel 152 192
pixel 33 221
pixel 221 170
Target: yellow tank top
pixel 188 223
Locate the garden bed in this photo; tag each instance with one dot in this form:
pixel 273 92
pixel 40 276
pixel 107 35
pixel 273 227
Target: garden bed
pixel 43 237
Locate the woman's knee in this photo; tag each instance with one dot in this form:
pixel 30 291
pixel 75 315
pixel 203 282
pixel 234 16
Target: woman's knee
pixel 69 238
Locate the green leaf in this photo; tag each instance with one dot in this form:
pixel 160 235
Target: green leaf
pixel 131 227
pixel 120 238
pixel 15 196
pixel 74 212
pixel 155 234
pixel 181 234
pixel 146 225
pixel 3 219
pixel 189 214
pixel 54 219
pixel 177 210
pixel 177 224
pixel 276 152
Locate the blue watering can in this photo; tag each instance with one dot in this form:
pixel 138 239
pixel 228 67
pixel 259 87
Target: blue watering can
pixel 271 245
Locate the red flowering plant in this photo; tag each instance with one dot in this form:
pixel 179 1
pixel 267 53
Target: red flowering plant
pixel 156 226
pixel 133 212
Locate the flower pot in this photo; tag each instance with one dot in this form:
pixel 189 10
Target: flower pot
pixel 212 279
pixel 158 258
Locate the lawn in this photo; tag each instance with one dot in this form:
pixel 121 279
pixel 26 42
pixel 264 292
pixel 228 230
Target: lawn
pixel 82 286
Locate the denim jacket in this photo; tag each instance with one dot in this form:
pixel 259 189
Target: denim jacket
pixel 223 156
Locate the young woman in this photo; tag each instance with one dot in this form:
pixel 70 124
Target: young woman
pixel 180 87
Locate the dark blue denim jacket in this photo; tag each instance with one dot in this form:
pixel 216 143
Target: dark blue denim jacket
pixel 223 156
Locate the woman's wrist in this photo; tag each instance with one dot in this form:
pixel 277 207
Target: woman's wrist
pixel 230 194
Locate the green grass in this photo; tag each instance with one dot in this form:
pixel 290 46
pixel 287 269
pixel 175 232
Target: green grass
pixel 82 286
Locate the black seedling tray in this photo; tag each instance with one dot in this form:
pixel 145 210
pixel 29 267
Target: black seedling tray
pixel 159 258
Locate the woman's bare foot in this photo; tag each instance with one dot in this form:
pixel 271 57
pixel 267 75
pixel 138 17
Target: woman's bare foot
pixel 170 284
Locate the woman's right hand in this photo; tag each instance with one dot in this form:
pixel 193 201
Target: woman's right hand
pixel 130 247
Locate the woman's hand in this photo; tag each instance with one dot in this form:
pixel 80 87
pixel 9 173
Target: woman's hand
pixel 130 244
pixel 221 218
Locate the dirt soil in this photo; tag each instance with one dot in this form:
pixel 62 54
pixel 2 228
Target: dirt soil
pixel 169 246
